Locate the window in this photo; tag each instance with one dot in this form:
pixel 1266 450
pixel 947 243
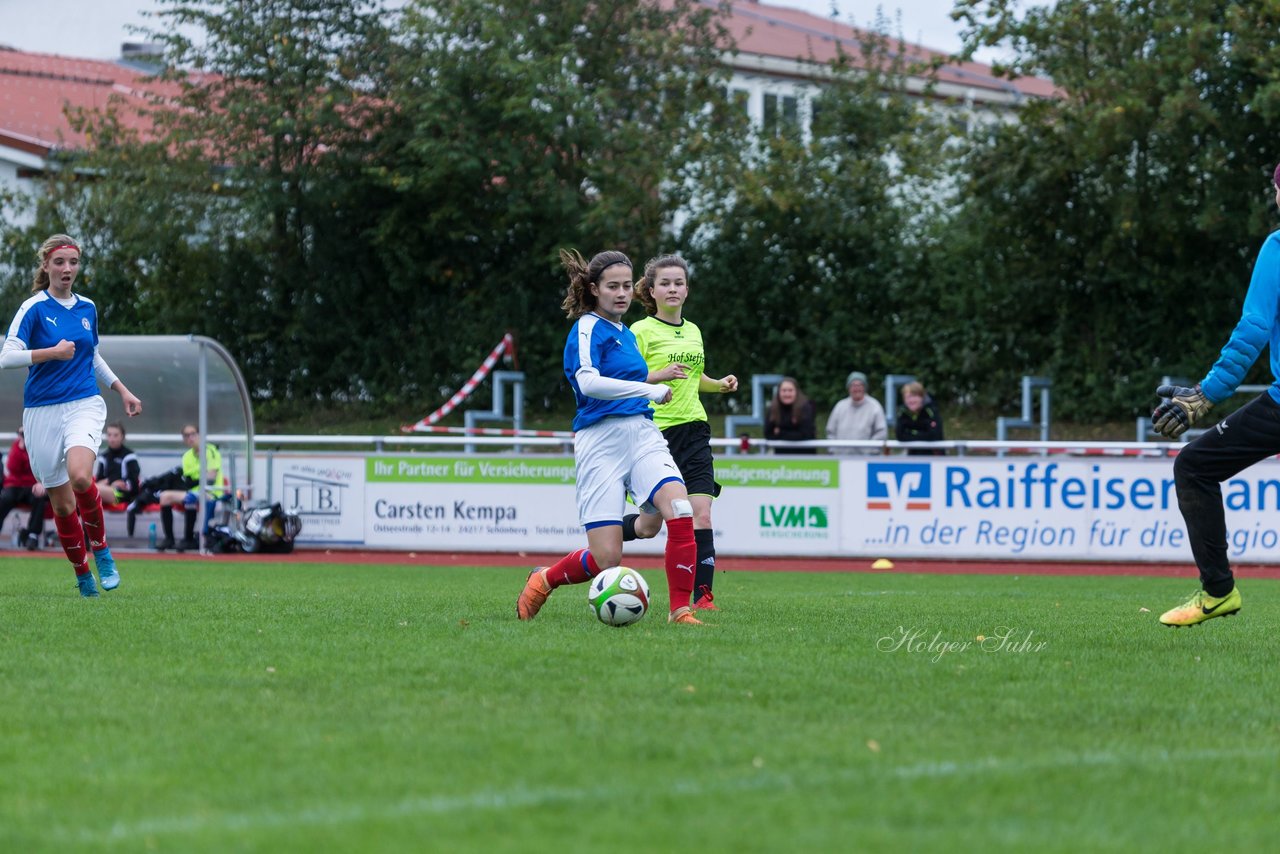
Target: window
pixel 781 114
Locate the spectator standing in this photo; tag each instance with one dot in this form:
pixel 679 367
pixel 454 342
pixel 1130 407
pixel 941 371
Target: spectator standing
pixel 21 487
pixel 918 420
pixel 790 418
pixel 858 416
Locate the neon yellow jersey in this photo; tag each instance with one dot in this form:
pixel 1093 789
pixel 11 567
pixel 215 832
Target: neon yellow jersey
pixel 662 343
pixel 212 467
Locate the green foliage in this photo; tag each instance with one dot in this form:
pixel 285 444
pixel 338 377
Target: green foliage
pixel 1113 229
pixel 806 252
pixel 360 204
pixel 522 128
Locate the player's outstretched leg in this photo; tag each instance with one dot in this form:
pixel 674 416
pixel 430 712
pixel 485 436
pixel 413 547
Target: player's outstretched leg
pixel 1201 607
pixel 573 568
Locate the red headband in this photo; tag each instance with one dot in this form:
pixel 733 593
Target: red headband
pixel 61 246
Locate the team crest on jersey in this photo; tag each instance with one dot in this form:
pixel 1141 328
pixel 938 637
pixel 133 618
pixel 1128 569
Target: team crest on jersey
pixel 84 321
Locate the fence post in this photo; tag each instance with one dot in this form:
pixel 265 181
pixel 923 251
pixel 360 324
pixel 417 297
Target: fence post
pixel 1029 384
pixel 891 383
pixel 758 404
pixel 472 417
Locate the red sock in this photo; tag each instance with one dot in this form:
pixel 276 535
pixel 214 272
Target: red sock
pixel 71 535
pixel 573 568
pixel 89 504
pixel 681 557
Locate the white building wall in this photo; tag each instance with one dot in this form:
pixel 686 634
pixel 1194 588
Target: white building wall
pixel 11 163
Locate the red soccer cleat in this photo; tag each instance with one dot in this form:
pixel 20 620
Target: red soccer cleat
pixel 705 601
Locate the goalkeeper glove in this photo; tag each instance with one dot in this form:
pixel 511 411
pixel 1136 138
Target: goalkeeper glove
pixel 1182 408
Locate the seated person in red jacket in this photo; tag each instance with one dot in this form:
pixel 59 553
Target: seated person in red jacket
pixel 919 420
pixel 21 487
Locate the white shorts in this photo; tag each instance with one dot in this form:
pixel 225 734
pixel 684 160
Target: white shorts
pixel 616 457
pixel 53 429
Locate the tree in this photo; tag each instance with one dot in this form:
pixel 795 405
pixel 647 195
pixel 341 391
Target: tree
pixel 1111 230
pixel 807 253
pixel 361 206
pixel 238 214
pixel 521 128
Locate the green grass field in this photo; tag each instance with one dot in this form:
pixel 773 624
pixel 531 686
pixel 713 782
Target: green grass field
pixel 258 707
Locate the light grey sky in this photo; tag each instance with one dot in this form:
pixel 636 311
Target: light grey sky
pixel 95 29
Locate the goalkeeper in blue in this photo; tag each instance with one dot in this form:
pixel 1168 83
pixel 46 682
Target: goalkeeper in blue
pixel 1246 436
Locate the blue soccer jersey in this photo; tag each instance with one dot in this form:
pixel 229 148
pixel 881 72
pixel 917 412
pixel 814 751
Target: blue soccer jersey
pixel 42 322
pixel 1259 327
pixel 612 350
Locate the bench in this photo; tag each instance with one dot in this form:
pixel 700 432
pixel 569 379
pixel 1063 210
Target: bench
pixel 110 512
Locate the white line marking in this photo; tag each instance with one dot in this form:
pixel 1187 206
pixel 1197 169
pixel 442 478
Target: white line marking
pixel 485 801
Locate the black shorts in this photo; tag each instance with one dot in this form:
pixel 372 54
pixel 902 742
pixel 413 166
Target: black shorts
pixel 690 445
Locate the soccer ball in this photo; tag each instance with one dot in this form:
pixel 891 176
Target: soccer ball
pixel 618 596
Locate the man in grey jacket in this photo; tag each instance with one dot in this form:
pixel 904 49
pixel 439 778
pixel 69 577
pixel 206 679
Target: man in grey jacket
pixel 858 416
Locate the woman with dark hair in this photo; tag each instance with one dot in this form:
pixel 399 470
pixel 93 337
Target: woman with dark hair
pixel 790 418
pixel 617 448
pixel 55 335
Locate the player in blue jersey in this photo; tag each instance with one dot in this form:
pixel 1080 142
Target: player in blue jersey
pixel 617 448
pixel 55 335
pixel 1246 436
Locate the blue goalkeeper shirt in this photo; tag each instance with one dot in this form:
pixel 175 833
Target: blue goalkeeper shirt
pixel 611 349
pixel 1259 326
pixel 42 322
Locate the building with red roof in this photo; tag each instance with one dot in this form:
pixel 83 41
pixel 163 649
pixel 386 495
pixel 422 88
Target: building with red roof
pixel 781 61
pixel 784 56
pixel 39 90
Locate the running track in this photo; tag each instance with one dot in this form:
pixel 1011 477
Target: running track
pixel 730 563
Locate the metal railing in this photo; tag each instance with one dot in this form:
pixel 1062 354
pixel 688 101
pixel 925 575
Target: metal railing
pixel 958 447
pixel 1144 429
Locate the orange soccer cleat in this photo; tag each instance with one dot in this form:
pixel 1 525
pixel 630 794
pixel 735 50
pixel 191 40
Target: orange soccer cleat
pixel 684 616
pixel 534 595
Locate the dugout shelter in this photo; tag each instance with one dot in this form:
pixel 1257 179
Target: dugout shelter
pixel 180 379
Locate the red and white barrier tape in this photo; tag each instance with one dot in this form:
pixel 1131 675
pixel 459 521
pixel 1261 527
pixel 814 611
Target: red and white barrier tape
pixel 497 431
pixel 506 345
